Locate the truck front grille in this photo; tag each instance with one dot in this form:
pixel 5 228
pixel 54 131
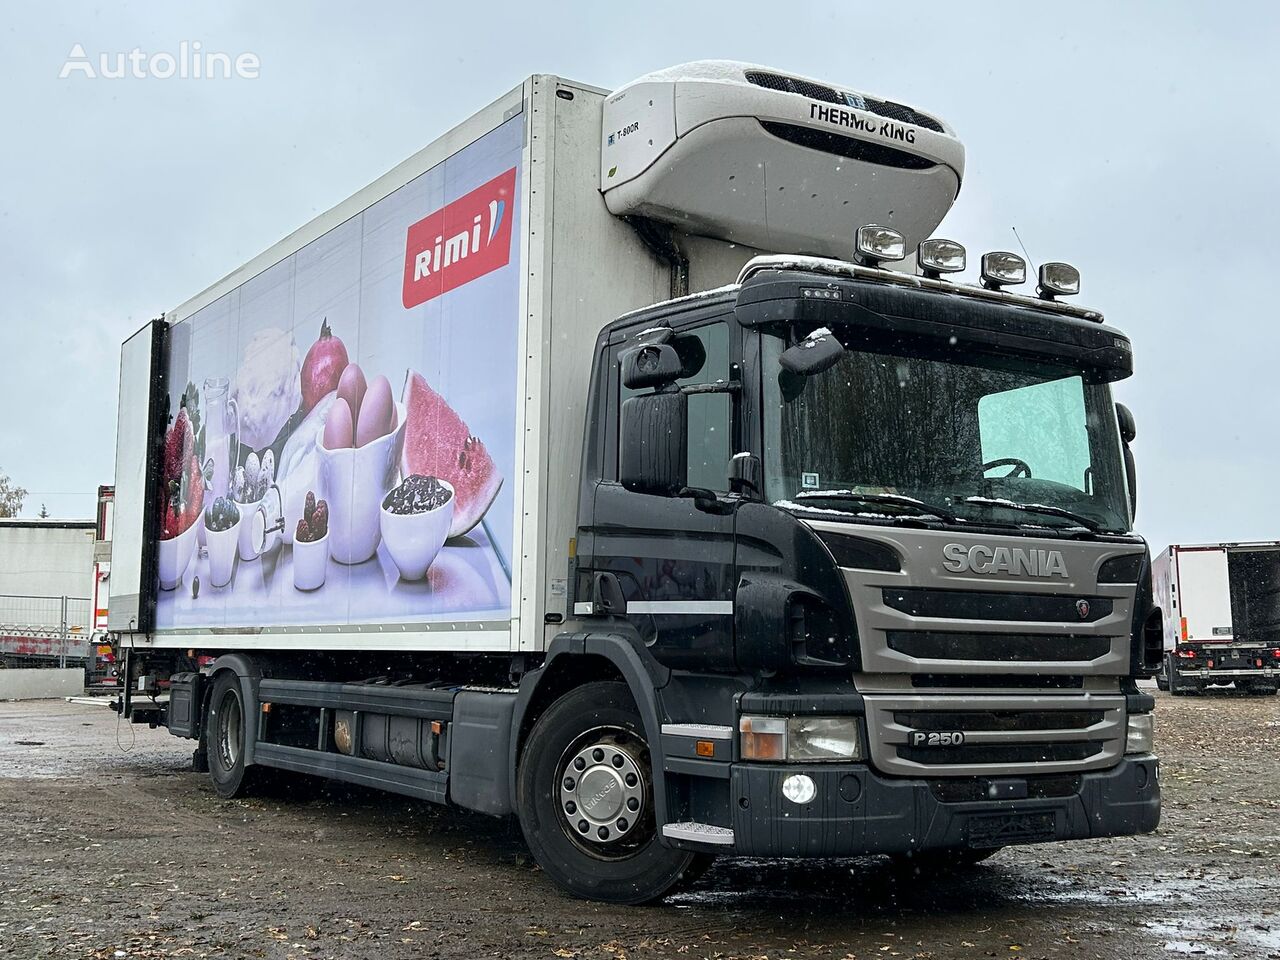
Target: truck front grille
pixel 1002 734
pixel 999 719
pixel 1054 608
pixel 1004 753
pixel 1010 647
pixel 994 681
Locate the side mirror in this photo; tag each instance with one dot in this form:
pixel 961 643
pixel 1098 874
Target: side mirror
pixel 817 352
pixel 1131 478
pixel 650 365
pixel 1128 429
pixel 653 443
pixel 746 475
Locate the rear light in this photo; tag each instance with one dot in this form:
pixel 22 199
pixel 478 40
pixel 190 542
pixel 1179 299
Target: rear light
pixel 1187 654
pixel 1210 664
pixel 1276 653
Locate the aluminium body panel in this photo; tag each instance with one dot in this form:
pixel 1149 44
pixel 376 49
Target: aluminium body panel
pixel 275 616
pixel 1223 592
pixel 596 268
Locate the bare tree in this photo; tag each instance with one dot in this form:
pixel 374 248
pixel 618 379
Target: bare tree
pixel 11 497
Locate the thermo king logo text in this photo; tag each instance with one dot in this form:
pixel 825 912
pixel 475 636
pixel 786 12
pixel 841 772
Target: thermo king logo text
pixel 460 242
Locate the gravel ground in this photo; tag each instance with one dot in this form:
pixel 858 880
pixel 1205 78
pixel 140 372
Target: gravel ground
pixel 111 848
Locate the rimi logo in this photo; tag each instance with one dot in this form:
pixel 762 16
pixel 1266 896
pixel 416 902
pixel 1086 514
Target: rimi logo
pixel 460 242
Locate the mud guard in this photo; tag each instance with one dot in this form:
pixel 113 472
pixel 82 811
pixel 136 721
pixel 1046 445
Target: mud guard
pixel 249 673
pixel 643 676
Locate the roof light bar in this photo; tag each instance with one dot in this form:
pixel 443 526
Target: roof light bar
pixel 1058 280
pixel 875 244
pixel 939 256
pixel 1001 268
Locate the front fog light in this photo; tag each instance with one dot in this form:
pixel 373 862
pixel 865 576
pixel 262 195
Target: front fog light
pixel 799 788
pixel 1140 733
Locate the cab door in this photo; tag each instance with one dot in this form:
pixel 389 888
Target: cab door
pixel 674 559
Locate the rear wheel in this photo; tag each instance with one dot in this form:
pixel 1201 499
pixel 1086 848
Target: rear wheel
pixel 585 792
pixel 1260 688
pixel 226 733
pixel 1177 685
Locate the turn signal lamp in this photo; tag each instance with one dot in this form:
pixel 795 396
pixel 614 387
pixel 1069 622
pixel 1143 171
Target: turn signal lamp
pixel 1001 268
pixel 1058 280
pixel 939 256
pixel 874 244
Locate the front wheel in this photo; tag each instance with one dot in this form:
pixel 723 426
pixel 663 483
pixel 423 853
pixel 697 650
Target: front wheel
pixel 585 799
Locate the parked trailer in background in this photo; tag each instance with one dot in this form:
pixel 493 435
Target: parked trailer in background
pixel 47 588
pixel 559 473
pixel 1223 623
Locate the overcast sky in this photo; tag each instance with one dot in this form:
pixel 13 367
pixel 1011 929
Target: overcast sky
pixel 1135 140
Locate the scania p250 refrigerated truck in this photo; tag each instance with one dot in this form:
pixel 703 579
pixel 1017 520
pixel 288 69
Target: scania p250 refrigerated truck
pixel 626 462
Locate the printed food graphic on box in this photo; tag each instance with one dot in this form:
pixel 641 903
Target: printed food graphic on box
pixel 343 449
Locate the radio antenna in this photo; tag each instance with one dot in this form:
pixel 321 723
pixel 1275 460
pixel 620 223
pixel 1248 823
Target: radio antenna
pixel 1030 262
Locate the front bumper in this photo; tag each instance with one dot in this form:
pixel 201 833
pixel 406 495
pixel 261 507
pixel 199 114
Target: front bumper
pixel 856 811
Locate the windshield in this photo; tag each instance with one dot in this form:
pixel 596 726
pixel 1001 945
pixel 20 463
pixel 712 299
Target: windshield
pixel 980 438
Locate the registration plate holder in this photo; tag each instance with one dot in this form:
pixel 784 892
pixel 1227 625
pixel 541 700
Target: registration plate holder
pixel 1002 829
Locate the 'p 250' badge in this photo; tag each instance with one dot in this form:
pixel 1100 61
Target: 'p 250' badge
pixel 936 738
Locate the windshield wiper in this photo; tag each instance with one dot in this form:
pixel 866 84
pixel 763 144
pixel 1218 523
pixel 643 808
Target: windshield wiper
pixel 885 499
pixel 1091 525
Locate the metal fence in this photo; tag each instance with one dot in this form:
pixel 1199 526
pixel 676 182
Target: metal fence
pixel 46 627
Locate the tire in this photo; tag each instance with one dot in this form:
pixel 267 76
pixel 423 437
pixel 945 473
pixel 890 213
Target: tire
pixel 949 860
pixel 1260 688
pixel 1162 682
pixel 598 725
pixel 225 732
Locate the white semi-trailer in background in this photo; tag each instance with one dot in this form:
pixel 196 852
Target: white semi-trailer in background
pixel 626 462
pixel 48 583
pixel 1222 622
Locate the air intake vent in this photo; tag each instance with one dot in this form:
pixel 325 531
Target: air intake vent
pixel 817 91
pixel 846 146
pixel 806 88
pixel 901 113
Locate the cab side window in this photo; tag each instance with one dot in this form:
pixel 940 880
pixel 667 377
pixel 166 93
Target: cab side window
pixel 705 352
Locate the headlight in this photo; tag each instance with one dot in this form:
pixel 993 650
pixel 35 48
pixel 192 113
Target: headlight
pixel 801 739
pixel 1140 733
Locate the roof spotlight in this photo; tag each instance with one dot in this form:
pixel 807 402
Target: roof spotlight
pixel 1058 280
pixel 875 244
pixel 939 256
pixel 1001 268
